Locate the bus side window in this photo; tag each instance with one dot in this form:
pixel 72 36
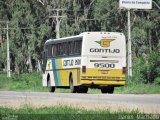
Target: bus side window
pixel 80 46
pixel 54 51
pixel 77 47
pixel 58 49
pixel 61 49
pixel 71 48
pixel 49 51
pixel 66 50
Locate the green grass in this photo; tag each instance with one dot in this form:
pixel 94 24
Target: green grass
pixel 33 82
pixel 29 82
pixel 62 112
pixel 138 88
pixel 23 82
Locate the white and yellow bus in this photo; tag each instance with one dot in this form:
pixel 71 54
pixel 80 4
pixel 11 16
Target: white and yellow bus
pixel 91 59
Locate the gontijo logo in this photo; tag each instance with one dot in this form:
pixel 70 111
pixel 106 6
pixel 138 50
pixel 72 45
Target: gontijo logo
pixel 105 42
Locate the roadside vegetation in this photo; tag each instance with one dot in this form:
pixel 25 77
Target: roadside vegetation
pixel 138 88
pixel 32 27
pixel 63 113
pixel 22 82
pixel 33 82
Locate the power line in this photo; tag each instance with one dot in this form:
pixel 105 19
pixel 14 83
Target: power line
pixel 16 28
pixel 58 19
pixel 156 5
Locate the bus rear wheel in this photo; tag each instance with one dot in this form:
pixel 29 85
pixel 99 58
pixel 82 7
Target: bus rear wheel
pixel 107 89
pixel 50 88
pixel 71 85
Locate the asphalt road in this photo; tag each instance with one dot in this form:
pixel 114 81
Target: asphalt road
pixel 115 102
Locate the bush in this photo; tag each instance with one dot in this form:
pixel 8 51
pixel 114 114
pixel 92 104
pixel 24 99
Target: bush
pixel 147 70
pixel 22 82
pixel 157 80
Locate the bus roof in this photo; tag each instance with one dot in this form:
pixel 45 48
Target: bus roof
pixel 63 39
pixel 77 37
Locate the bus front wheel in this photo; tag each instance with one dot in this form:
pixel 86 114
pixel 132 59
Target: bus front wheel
pixel 50 88
pixel 107 89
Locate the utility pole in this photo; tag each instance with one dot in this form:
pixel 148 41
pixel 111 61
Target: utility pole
pixel 58 19
pixel 8 53
pixel 129 46
pixel 8 49
pixel 133 6
pixel 130 43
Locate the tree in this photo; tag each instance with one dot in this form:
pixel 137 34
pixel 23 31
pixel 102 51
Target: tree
pixel 32 27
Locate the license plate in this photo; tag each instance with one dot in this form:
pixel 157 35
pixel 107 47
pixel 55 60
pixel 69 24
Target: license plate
pixel 104 72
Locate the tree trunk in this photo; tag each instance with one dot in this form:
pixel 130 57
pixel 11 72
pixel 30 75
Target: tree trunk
pixel 30 61
pixel 39 69
pixel 17 69
pixel 150 41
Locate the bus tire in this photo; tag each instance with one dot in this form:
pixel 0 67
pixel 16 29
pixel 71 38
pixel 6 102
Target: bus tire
pixel 71 85
pixel 50 88
pixel 84 89
pixel 108 89
pixel 81 89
